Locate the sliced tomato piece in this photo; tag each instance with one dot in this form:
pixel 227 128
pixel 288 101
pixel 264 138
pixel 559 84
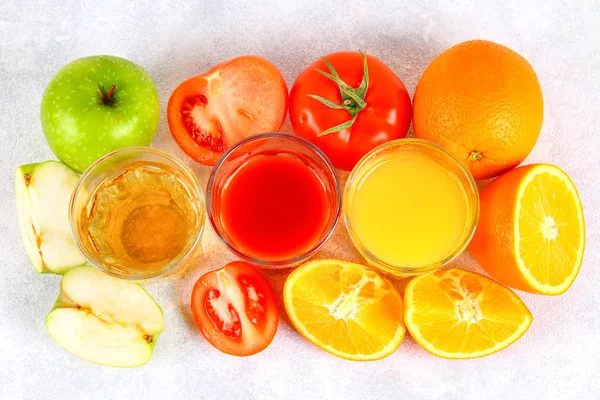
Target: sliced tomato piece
pixel 241 97
pixel 235 309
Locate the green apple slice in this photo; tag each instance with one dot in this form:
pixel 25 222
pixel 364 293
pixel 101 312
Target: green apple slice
pixel 43 193
pixel 105 320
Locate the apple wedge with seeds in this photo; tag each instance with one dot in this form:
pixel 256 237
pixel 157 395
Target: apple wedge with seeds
pixel 105 320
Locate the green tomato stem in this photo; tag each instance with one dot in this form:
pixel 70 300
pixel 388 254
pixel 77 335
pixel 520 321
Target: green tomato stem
pixel 353 99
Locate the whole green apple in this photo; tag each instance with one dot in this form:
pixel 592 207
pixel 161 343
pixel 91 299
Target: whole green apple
pixel 98 104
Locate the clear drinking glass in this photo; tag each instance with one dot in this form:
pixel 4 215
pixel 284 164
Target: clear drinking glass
pixel 444 161
pixel 272 144
pixel 138 213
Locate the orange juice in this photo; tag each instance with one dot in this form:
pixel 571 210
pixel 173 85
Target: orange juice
pixel 410 206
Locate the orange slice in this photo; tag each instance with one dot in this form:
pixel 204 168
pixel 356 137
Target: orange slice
pixel 531 232
pixel 458 314
pixel 345 309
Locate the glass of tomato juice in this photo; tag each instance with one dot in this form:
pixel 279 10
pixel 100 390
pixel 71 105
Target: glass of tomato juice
pixel 273 199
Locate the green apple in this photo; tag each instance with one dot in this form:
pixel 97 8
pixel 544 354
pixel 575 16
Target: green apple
pixel 98 104
pixel 43 192
pixel 105 320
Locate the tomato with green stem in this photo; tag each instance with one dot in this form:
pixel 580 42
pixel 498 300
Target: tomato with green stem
pixel 235 309
pixel 356 106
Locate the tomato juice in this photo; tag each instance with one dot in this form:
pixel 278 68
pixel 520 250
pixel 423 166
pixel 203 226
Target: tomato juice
pixel 276 205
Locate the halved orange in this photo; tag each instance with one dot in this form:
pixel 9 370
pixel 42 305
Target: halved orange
pixel 345 309
pixel 459 314
pixel 531 232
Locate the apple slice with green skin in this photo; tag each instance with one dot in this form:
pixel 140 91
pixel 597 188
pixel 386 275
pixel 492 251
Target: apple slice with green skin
pixel 43 192
pixel 105 320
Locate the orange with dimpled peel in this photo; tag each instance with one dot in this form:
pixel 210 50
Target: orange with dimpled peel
pixel 483 102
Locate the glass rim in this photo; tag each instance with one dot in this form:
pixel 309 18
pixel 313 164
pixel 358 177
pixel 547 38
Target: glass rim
pixel 173 264
pixel 300 257
pixel 470 225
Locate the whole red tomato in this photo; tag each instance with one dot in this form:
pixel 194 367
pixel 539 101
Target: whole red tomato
pixel 348 103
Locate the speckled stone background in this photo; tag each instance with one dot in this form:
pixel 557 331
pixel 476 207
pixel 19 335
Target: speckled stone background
pixel 558 358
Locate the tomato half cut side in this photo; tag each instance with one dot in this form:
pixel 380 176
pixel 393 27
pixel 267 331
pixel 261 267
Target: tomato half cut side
pixel 235 309
pixel 210 112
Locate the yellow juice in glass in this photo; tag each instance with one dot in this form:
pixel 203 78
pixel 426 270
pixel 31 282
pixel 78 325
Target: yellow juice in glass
pixel 410 206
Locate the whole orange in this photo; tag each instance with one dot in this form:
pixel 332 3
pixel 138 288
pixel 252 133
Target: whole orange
pixel 483 102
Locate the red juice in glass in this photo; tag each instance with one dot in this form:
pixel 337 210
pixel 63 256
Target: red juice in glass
pixel 274 207
pixel 273 199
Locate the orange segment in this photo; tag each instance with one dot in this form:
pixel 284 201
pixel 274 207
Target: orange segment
pixel 531 231
pixel 345 309
pixel 458 314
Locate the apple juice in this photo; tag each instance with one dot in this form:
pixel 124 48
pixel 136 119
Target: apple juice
pixel 140 219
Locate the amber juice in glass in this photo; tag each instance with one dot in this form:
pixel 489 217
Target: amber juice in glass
pixel 137 213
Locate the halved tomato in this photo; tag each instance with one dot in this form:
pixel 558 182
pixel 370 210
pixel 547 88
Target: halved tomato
pixel 241 97
pixel 235 309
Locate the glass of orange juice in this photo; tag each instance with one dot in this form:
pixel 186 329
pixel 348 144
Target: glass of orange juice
pixel 410 207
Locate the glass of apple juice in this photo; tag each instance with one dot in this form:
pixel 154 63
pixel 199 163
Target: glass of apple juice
pixel 138 213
